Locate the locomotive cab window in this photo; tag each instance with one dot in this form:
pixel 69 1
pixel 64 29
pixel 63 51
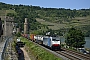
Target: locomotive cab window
pixel 55 40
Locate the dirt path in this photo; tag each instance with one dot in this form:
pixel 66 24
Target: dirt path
pixel 26 57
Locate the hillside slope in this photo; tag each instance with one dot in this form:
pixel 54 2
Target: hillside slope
pixel 44 19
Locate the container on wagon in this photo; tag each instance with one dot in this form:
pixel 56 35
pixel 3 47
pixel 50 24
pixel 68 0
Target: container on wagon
pixel 25 35
pixel 28 36
pixel 32 37
pixel 39 39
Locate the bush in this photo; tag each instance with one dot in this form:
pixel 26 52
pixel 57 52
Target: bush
pixel 18 34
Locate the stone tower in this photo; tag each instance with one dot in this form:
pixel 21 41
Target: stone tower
pixel 25 26
pixel 8 26
pixel 18 30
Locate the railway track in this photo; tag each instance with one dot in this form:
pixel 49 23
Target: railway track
pixel 77 54
pixel 67 55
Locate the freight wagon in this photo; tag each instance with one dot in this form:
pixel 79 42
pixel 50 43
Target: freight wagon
pixel 32 37
pixel 25 35
pixel 28 36
pixel 39 39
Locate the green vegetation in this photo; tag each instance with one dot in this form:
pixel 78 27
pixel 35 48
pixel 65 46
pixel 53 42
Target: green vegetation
pixel 18 34
pixel 42 19
pixel 2 12
pixel 75 38
pixel 39 52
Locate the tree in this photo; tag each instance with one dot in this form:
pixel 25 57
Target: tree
pixel 18 34
pixel 10 14
pixel 75 38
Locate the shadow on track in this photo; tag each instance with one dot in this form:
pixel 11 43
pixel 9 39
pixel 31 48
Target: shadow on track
pixel 21 55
